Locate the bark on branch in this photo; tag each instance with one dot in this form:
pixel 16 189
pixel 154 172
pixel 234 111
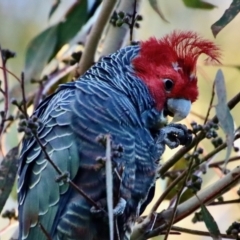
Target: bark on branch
pixel 87 58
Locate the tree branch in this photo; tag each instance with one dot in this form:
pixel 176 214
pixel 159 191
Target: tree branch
pixel 199 233
pixel 6 93
pixel 87 58
pixel 216 164
pixel 225 202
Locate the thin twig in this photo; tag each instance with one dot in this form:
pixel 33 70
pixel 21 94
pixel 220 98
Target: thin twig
pixel 224 202
pixel 167 191
pixel 6 93
pixel 117 230
pixel 47 235
pixel 197 115
pixel 188 172
pixel 24 101
pixel 171 233
pixel 11 73
pixel 217 149
pixel 216 164
pixel 172 174
pixel 133 20
pixel 87 58
pixel 210 104
pixel 109 186
pixel 199 233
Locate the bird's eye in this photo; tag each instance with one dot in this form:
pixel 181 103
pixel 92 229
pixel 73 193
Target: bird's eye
pixel 168 84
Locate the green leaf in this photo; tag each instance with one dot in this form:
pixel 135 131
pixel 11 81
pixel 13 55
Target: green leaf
pixel 226 18
pixel 8 171
pixel 223 113
pixel 45 46
pixel 157 9
pixel 74 20
pixel 210 223
pixel 39 51
pixel 54 8
pixel 198 4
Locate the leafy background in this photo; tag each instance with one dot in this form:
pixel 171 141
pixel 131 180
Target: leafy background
pixel 21 20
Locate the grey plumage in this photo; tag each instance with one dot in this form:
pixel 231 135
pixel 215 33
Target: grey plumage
pixel 107 99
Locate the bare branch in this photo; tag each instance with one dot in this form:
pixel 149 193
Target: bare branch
pixel 210 104
pixel 133 20
pixel 225 202
pixel 87 58
pixel 216 164
pixel 187 175
pixel 6 93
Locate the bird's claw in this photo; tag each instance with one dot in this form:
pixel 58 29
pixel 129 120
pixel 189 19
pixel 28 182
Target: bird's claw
pixel 120 207
pixel 176 134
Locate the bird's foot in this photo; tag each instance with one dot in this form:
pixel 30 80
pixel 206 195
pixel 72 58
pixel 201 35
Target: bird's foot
pixel 176 134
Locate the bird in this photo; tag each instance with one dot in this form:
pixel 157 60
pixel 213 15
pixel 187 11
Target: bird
pixel 128 95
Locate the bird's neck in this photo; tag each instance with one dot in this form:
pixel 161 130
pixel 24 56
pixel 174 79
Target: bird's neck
pixel 117 71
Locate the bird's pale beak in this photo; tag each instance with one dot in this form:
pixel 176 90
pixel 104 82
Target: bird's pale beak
pixel 179 108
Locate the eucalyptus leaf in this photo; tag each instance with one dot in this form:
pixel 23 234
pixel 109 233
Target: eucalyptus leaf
pixel 210 223
pixel 226 18
pixel 198 4
pixel 223 113
pixel 38 53
pixel 45 46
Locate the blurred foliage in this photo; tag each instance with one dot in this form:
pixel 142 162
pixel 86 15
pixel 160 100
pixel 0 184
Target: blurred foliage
pixel 45 46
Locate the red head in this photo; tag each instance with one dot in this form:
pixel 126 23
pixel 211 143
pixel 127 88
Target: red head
pixel 168 65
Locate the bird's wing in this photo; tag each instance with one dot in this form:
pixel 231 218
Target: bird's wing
pixel 38 203
pixel 112 112
pixel 71 121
